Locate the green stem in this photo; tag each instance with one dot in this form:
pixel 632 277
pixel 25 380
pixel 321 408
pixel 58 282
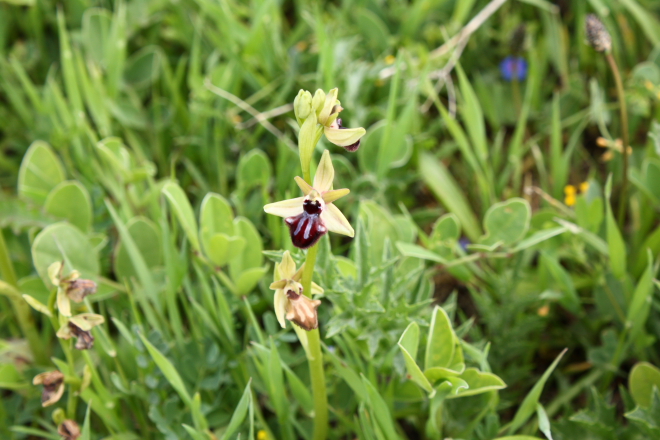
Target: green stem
pixel 315 357
pixel 21 308
pixel 515 85
pixel 624 137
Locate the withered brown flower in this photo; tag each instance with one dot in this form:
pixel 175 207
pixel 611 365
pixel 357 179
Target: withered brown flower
pixel 79 288
pixel 53 382
pixel 301 310
pixel 290 303
pixel 85 339
pixel 69 430
pixel 80 326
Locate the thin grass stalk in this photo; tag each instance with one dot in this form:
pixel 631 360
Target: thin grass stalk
pixel 621 94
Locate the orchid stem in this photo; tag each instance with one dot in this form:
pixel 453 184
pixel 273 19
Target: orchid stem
pixel 315 357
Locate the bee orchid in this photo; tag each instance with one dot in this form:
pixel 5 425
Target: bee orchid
pixel 314 214
pixel 290 302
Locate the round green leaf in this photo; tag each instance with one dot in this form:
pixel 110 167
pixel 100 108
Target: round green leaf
pixel 254 169
pixel 447 228
pixel 147 239
pixel 249 279
pixel 215 217
pixel 143 67
pixel 40 172
pixel 252 253
pixel 399 149
pixel 222 248
pixel 652 176
pixel 70 200
pixel 643 377
pixel 507 222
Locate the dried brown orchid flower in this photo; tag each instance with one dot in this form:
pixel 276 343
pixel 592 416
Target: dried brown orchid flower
pixel 69 430
pixel 53 382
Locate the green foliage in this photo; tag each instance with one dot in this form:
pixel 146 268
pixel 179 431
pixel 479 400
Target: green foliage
pixel 139 142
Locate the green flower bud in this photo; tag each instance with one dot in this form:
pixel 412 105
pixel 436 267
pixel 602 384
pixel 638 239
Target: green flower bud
pixel 302 105
pixel 58 416
pixel 318 101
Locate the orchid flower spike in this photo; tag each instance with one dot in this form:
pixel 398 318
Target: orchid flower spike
pixel 313 215
pixel 290 302
pixel 324 110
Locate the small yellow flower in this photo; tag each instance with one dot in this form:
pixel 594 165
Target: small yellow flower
pixel 543 311
pixel 262 435
pixel 570 192
pixel 390 59
pixel 584 187
pixel 607 156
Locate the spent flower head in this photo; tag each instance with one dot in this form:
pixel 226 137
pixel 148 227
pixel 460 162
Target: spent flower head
pixel 69 430
pixel 290 301
pixel 597 34
pixel 71 287
pixel 53 382
pixel 80 327
pixel 311 216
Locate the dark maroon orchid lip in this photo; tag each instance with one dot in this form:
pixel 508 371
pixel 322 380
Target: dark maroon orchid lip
pixel 307 227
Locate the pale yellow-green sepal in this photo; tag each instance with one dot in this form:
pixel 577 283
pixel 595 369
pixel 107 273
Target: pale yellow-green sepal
pixel 335 221
pixel 344 137
pixel 286 208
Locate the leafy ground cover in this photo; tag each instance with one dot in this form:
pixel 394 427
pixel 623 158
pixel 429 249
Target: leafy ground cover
pixel 494 274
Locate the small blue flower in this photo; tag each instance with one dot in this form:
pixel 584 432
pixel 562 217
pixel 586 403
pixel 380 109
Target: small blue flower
pixel 514 67
pixel 464 242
